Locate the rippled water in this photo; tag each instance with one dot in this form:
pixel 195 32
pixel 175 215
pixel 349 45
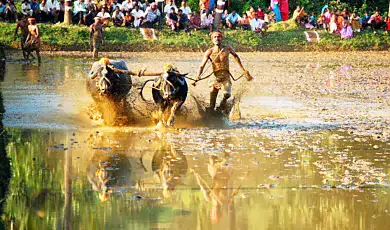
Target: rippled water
pixel 311 150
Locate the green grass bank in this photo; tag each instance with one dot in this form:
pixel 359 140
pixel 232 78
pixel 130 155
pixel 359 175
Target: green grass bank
pixel 76 38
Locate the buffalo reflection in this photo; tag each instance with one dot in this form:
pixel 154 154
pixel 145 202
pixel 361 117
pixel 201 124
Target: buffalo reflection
pixel 169 167
pixel 109 173
pixel 222 192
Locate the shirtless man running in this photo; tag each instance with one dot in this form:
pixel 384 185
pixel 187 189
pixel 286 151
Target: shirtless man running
pixel 33 40
pixel 23 25
pixel 219 57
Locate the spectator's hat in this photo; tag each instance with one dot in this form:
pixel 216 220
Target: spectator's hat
pixel 216 34
pixel 31 19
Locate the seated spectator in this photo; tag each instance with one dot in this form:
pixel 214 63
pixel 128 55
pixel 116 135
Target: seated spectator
pixel 223 17
pixel 333 25
pixel 2 11
pixel 10 11
pixel 35 9
pixel 152 16
pixel 127 5
pixel 251 13
pixel 298 15
pixel 206 21
pixel 387 21
pixel 46 15
pixel 232 20
pixel 138 16
pixel 113 5
pixel 55 10
pixel 172 19
pixel 339 21
pixel 245 22
pixel 375 22
pixel 90 13
pixel 183 21
pixel 195 21
pixel 79 12
pixel 364 20
pixel 186 9
pixel 26 9
pixel 118 17
pixel 258 25
pixel 260 13
pixel 61 12
pixel 104 16
pixel 346 32
pixel 168 6
pixel 128 20
pixel 355 22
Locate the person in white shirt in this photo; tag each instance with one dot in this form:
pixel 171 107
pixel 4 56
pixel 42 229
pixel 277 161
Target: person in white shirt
pixel 80 11
pixel 117 17
pixel 206 21
pixel 186 9
pixel 26 8
pixel 127 5
pixel 55 10
pixel 138 15
pixel 258 25
pixel 45 11
pixel 105 16
pixel 167 8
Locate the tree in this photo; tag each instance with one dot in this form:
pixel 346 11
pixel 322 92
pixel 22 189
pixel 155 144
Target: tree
pixel 68 12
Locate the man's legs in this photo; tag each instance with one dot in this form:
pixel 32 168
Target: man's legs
pixel 213 99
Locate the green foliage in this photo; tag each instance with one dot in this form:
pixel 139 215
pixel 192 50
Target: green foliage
pixel 282 36
pixel 194 5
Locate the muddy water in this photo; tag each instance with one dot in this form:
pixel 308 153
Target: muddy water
pixel 311 150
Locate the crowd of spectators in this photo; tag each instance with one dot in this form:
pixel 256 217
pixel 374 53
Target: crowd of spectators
pixel 342 22
pixel 137 13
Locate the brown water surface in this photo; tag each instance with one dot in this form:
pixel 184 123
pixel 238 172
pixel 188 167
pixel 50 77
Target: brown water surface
pixel 311 150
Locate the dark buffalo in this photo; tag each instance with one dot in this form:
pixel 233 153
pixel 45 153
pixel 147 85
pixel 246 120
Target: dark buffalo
pixel 109 88
pixel 169 92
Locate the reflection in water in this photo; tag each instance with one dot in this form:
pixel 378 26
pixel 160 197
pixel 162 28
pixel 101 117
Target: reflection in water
pixel 222 191
pixel 108 173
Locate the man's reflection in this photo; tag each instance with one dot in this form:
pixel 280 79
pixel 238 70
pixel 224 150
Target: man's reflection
pixel 222 192
pixel 2 62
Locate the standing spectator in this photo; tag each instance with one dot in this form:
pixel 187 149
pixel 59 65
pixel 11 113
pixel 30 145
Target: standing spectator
pixel 26 8
pixel 251 13
pixel 138 15
pixel 333 25
pixel 223 17
pixel 207 21
pixel 90 13
pixel 195 21
pixel 10 11
pixel 258 25
pixel 167 8
pixel 45 11
pixel 186 9
pixel 79 12
pixel 118 17
pixel 112 6
pixel 375 21
pixel 2 11
pixel 355 22
pixel 152 15
pixel 232 20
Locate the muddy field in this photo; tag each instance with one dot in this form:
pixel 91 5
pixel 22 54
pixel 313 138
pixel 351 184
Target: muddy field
pixel 310 150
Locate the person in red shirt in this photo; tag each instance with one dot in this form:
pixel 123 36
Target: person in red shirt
pixel 387 21
pixel 260 13
pixel 376 21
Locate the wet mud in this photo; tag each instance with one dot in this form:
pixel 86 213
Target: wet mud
pixel 306 146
